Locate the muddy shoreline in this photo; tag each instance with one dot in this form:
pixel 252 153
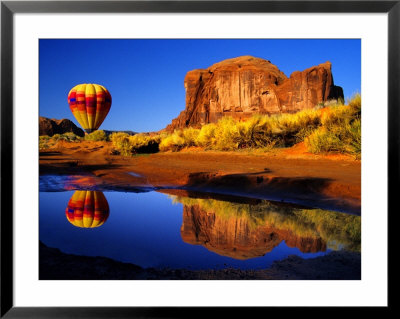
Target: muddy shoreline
pixel 326 182
pixel 56 265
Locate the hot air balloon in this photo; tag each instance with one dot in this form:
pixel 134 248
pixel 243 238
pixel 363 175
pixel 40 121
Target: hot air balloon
pixel 87 209
pixel 90 104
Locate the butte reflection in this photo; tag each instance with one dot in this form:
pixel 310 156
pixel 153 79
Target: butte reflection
pixel 87 209
pixel 252 228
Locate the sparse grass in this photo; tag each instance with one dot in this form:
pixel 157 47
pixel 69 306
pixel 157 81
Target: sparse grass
pixel 68 137
pixel 45 141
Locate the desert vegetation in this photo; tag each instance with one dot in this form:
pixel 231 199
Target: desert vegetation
pixel 46 141
pixel 127 144
pixel 335 128
pixel 96 136
pixel 340 130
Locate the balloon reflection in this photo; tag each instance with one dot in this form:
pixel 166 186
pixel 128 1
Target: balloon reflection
pixel 87 209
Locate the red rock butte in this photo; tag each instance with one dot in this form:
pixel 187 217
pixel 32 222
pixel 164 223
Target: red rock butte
pixel 243 86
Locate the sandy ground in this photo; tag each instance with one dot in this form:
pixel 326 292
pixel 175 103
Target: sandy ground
pixel 289 175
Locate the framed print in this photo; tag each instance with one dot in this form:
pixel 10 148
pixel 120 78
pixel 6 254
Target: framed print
pixel 159 157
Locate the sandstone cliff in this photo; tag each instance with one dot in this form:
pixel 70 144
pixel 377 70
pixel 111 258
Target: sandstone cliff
pixel 242 86
pixel 52 126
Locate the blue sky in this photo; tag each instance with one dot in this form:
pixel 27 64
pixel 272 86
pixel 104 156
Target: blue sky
pixel 145 77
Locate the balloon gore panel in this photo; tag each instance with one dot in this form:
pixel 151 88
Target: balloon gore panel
pixel 90 104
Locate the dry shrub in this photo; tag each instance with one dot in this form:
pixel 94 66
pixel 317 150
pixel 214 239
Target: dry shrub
pixel 136 144
pixel 121 142
pixel 206 136
pixel 340 131
pixel 99 135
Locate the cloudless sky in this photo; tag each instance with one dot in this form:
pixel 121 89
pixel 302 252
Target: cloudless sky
pixel 145 77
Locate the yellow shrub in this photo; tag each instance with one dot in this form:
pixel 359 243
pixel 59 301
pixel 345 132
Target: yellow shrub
pixel 121 142
pixel 355 101
pixel 99 135
pixel 337 128
pixel 133 144
pixel 322 140
pixel 206 135
pixel 342 137
pixel 174 142
pixel 226 134
pixel 139 140
pixel 189 136
pixel 255 132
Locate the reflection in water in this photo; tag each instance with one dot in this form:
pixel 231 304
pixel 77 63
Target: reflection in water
pixel 202 231
pixel 87 209
pixel 248 230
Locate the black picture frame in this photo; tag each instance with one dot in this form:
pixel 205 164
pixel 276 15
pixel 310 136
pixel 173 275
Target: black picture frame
pixel 9 8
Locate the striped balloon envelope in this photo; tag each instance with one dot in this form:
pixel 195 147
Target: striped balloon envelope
pixel 87 209
pixel 90 104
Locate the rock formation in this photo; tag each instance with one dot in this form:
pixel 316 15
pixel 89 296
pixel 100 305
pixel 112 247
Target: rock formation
pixel 235 237
pixel 52 126
pixel 246 85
